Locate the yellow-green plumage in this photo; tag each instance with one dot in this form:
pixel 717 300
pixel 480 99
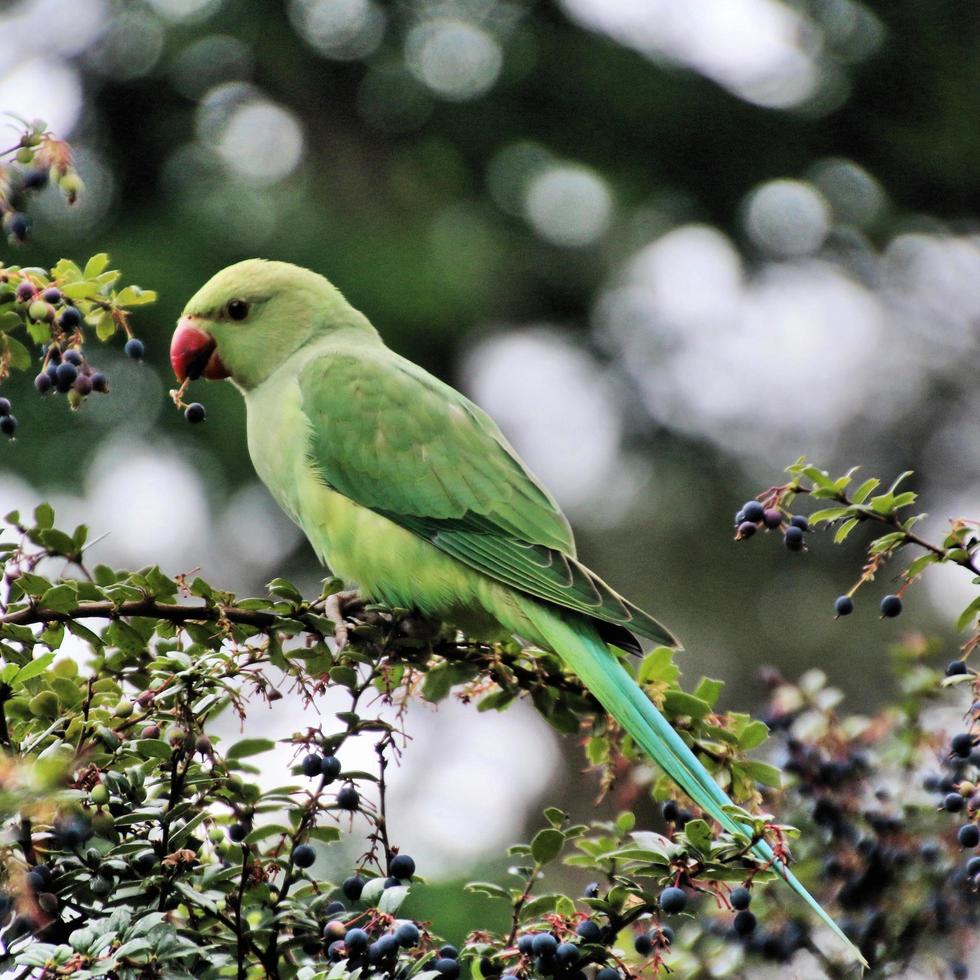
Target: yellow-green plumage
pixel 408 490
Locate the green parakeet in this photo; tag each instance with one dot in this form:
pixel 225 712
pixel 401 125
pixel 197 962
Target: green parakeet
pixel 406 488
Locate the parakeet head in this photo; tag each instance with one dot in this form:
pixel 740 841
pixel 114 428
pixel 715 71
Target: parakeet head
pixel 248 318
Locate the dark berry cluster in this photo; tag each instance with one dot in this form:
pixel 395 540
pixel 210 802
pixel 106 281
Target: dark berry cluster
pixel 38 160
pixel 754 516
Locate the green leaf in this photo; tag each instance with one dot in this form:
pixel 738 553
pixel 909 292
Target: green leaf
pixel 658 665
pixel 554 816
pixel 845 529
pixel 863 491
pixel 438 683
pixel 20 356
pixel 326 835
pixel 35 667
pixel 153 748
pixel 968 615
pixel 250 746
pixel 698 833
pixel 753 735
pixel 763 773
pixel 44 515
pixel 96 265
pixel 61 598
pixel 828 514
pixel 489 889
pixel 709 690
pixel 134 296
pixel 547 845
pixel 678 703
pixel 392 898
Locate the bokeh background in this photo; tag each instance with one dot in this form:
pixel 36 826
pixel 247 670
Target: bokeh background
pixel 671 246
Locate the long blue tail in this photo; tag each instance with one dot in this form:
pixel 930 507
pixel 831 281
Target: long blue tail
pixel 580 646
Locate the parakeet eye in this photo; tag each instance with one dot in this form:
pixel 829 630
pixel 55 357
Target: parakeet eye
pixel 238 309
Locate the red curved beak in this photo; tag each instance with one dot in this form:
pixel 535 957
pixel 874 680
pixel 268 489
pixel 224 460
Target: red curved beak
pixel 193 353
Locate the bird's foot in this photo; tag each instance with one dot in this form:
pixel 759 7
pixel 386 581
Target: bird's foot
pixel 335 607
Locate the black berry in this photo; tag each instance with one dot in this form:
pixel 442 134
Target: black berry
pixel 51 295
pixel 356 940
pixel 407 935
pixel 968 835
pixel 673 900
pixel 303 856
pixel 8 425
pixel 753 511
pixel 73 357
pixel 311 766
pixel 238 832
pixel 741 899
pixel 798 520
pixel 25 291
pixel 43 383
pixel 609 973
pixel 447 967
pixel 348 798
pixel 891 606
pixel 100 382
pixel 402 866
pixel 589 931
pixel 793 538
pixel 330 768
pixel 70 318
pixel 643 944
pixel 544 944
pixel 844 605
pixel 746 529
pixel 18 226
pixel 567 954
pixel 449 952
pixel 65 375
pixel 772 517
pixel 961 744
pixel 352 887
pixel 744 923
pixel 83 385
pixel 195 413
pixel 35 179
pixel 135 349
pixel 591 890
pixel 953 803
pixel 956 667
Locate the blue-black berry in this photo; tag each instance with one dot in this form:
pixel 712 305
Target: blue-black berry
pixel 43 383
pixel 135 349
pixel 304 856
pixel 100 382
pixel 4 407
pixel 741 899
pixel 335 908
pixel 407 935
pixel 798 520
pixel 567 954
pixel 525 944
pixel 544 944
pixel 35 179
pixel 793 538
pixel 753 511
pixel 51 295
pixel 953 803
pixel 73 357
pixel 772 517
pixel 643 944
pixel 746 529
pixel 195 413
pixel 449 952
pixel 956 667
pixel 402 866
pixel 8 425
pixel 356 940
pixel 70 318
pixel 447 967
pixel 968 835
pixel 352 887
pixel 311 766
pixel 890 606
pixel 744 923
pixel 961 744
pixel 589 931
pixel 329 768
pixel 844 605
pixel 591 890
pixel 238 832
pixel 18 226
pixel 348 798
pixel 25 291
pixel 609 973
pixel 673 900
pixel 65 375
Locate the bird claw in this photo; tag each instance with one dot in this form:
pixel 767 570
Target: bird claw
pixel 334 607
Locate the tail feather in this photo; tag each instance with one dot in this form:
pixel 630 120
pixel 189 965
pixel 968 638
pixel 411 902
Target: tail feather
pixel 581 647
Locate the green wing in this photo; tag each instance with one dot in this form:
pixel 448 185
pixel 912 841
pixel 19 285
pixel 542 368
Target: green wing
pixel 393 438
